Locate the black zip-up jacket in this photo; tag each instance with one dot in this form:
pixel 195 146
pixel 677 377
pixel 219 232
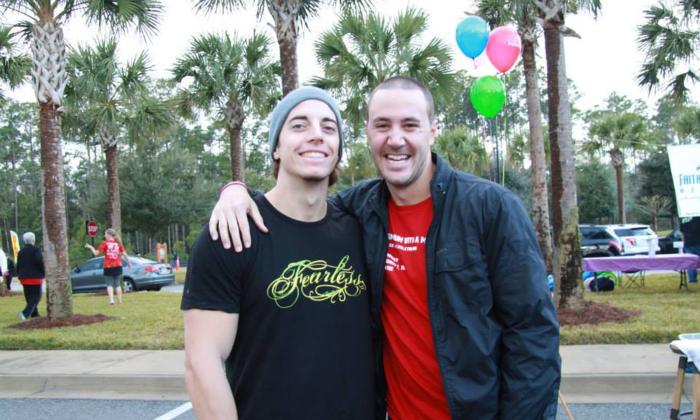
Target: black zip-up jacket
pixel 30 263
pixel 494 325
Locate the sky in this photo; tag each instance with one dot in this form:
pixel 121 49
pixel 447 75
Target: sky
pixel 604 60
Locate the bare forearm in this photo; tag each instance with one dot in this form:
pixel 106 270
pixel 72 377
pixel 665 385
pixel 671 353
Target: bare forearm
pixel 210 391
pixel 91 249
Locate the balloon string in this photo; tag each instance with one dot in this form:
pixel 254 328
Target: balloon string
pixel 505 123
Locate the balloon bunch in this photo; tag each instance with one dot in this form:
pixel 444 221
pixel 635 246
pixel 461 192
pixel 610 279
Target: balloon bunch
pixel 502 46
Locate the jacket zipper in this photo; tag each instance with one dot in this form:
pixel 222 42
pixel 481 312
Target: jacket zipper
pixel 430 284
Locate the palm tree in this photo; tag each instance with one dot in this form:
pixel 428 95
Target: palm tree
pixel 670 38
pixel 287 15
pixel 43 26
pixel 567 258
pixel 363 50
pixel 14 67
pixel 106 100
pixel 464 151
pixel 654 205
pixel 618 133
pixel 236 76
pixel 524 14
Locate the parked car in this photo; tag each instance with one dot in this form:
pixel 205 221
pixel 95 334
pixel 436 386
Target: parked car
pixel 596 241
pixel 144 274
pixel 666 242
pixel 634 238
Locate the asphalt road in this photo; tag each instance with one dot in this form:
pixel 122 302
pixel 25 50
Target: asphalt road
pixel 69 409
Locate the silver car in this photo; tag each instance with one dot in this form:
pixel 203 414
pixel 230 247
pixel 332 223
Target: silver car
pixel 144 274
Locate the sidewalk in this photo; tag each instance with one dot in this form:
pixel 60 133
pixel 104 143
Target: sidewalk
pixel 591 373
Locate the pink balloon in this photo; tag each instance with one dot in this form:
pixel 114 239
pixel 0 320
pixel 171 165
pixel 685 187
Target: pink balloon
pixel 503 48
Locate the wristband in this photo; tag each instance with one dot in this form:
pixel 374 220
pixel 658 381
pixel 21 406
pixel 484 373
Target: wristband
pixel 228 184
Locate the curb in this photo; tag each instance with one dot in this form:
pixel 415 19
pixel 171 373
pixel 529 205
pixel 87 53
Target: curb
pixel 141 387
pixel 621 388
pixel 576 388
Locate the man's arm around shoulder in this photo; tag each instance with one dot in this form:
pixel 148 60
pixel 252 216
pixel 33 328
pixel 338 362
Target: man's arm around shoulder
pixel 354 199
pixel 209 338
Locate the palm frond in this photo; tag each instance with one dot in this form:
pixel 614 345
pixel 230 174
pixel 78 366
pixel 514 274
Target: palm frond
pixel 217 6
pixel 123 14
pixel 408 25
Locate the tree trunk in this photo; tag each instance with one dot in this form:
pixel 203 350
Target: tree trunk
pixel 49 77
pixel 284 14
pixel 616 158
pixel 567 261
pixel 113 198
pixel 234 125
pixel 58 289
pixel 540 196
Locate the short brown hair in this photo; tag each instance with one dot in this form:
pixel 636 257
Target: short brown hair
pixel 403 82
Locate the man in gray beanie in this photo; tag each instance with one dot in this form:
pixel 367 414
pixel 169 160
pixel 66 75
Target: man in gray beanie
pixel 283 329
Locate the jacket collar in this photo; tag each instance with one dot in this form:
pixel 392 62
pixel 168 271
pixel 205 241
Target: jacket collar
pixel 438 187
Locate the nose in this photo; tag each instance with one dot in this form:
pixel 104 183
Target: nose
pixel 316 133
pixel 395 137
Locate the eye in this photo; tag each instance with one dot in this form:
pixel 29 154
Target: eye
pixel 381 126
pixel 298 125
pixel 329 128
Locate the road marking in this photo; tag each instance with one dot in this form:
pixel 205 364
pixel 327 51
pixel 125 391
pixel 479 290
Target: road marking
pixel 176 411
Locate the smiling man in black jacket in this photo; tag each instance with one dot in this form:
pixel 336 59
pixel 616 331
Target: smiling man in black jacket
pixel 458 281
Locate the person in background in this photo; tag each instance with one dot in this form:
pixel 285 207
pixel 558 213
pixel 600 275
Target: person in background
pixel 8 273
pixel 30 270
pixel 690 229
pixel 113 250
pixel 4 268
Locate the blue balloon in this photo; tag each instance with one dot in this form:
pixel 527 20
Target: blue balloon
pixel 472 36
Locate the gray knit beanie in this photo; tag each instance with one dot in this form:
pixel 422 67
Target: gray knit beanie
pixel 294 98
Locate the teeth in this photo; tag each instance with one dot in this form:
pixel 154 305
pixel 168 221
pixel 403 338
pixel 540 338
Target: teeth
pixel 397 157
pixel 313 154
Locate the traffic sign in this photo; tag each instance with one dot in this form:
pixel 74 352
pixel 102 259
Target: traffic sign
pixel 91 228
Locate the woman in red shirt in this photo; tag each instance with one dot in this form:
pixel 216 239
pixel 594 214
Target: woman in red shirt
pixel 113 250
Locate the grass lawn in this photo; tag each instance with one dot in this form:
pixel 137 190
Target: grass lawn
pixel 146 320
pixel 152 320
pixel 666 311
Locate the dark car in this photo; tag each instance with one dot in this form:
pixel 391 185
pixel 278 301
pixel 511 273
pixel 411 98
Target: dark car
pixel 666 242
pixel 144 274
pixel 596 241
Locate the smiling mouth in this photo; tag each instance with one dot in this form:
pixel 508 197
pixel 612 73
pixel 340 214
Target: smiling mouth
pixel 313 155
pixel 396 157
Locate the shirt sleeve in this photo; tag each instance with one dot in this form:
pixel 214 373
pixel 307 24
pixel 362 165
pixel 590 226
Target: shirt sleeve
pixel 40 262
pixel 530 364
pixel 214 276
pixel 102 247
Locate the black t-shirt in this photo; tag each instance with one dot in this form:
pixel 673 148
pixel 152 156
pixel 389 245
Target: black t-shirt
pixel 303 348
pixel 691 232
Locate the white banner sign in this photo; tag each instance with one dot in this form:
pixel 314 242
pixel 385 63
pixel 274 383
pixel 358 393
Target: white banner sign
pixel 685 168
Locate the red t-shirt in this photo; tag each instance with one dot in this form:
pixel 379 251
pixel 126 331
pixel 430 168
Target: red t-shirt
pixel 415 389
pixel 112 250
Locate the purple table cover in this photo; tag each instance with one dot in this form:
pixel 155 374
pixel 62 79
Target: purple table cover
pixel 642 262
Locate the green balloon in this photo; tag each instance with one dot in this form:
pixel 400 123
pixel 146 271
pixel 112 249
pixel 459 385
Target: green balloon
pixel 488 95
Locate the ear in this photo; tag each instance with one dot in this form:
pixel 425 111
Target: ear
pixel 276 153
pixel 367 131
pixel 433 131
